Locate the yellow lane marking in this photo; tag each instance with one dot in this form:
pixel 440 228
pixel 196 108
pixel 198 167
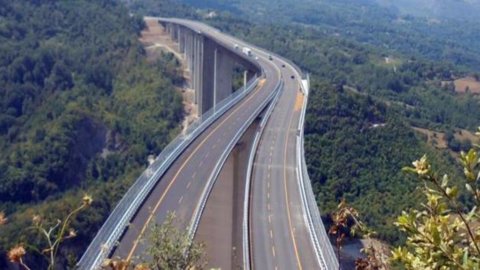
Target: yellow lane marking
pixel 135 243
pixel 261 83
pixel 299 263
pixel 298 102
pixel 271 234
pixel 273 251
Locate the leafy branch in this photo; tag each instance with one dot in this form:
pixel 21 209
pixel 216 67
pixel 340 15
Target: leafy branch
pixel 54 235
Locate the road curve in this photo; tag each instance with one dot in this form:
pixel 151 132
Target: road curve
pixel 280 238
pixel 181 187
pixel 279 234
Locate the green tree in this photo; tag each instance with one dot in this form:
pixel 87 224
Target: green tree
pixel 169 248
pixel 53 234
pixel 443 234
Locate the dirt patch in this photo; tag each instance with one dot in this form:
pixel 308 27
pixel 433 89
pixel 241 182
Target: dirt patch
pixel 465 135
pixel 468 84
pixel 436 139
pixel 157 41
pixel 352 251
pixel 439 141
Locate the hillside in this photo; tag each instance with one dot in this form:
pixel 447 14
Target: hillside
pixel 80 111
pixel 368 22
pixel 447 9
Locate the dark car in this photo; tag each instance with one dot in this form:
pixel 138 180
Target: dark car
pixel 283 65
pixel 270 57
pixel 293 77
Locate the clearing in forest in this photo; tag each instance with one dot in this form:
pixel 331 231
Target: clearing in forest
pixel 470 83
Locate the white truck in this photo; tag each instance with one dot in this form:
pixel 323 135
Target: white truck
pixel 247 51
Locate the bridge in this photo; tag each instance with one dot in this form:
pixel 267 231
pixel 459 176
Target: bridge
pixel 281 226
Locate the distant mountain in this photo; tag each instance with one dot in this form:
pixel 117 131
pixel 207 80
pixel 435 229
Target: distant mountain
pixel 437 9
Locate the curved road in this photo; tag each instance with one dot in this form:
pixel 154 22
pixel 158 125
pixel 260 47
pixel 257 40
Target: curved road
pixel 279 236
pixel 181 187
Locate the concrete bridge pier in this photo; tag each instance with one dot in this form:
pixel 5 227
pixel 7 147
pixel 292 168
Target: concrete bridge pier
pixel 223 75
pixel 207 70
pixel 182 39
pixel 210 64
pixel 197 70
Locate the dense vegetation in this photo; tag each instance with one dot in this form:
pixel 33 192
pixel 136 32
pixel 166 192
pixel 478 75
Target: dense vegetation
pixel 365 21
pixel 80 111
pixel 355 148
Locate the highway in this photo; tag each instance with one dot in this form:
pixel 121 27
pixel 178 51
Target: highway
pixel 279 236
pixel 279 233
pixel 181 188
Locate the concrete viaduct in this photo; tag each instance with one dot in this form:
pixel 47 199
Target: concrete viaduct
pixel 211 65
pixel 281 225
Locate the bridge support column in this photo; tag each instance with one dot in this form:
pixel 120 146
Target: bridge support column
pixel 189 54
pixel 197 69
pixel 223 75
pixel 175 32
pixel 210 65
pixel 207 83
pixel 181 39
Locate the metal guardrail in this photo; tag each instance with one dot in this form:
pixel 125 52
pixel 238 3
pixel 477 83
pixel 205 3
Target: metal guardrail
pixel 113 228
pixel 222 160
pixel 251 158
pixel 323 247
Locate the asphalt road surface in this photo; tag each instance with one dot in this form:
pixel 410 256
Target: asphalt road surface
pixel 181 186
pixel 279 235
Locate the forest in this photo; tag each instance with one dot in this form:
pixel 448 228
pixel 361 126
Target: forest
pixel 451 38
pixel 80 111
